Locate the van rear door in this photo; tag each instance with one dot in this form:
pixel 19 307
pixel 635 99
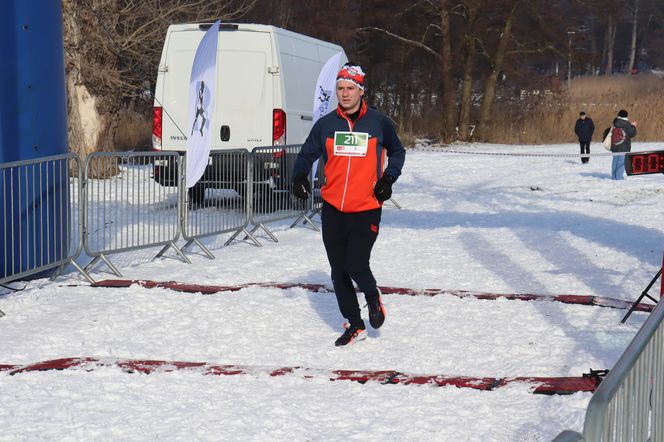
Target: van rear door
pixel 244 91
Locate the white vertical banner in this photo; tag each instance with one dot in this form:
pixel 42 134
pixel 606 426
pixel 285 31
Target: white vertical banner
pixel 201 104
pixel 324 94
pixel 325 86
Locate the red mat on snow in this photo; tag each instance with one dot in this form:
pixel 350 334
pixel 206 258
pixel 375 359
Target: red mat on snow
pixel 540 385
pixel 212 289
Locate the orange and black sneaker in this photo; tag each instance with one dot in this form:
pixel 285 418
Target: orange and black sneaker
pixel 377 311
pixel 353 333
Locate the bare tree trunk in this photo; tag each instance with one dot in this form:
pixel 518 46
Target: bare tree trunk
pixel 449 107
pixel 593 47
pixel 468 70
pixel 499 57
pixel 632 52
pixel 605 51
pixel 402 91
pixel 611 39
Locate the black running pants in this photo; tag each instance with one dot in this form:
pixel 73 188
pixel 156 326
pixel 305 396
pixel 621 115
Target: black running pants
pixel 348 240
pixel 585 148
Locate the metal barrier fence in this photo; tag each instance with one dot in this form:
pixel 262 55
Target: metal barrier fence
pixel 119 202
pixel 629 403
pixel 41 223
pixel 132 201
pixel 218 202
pixel 568 436
pixel 272 185
pixel 317 179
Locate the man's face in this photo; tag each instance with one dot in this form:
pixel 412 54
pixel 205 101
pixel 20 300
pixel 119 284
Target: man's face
pixel 583 117
pixel 349 95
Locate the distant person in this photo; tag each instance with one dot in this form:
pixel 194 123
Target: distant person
pixel 353 141
pixel 622 132
pixel 584 129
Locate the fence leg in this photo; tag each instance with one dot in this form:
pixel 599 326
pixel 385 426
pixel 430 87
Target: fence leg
pixel 58 272
pixel 307 220
pixel 111 266
pixel 299 218
pixel 314 212
pixel 91 264
pixel 174 247
pixel 62 268
pixel 108 263
pixel 644 294
pixel 85 274
pixel 247 235
pixel 265 229
pixel 199 244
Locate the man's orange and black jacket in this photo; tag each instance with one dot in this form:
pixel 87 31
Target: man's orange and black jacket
pixel 350 180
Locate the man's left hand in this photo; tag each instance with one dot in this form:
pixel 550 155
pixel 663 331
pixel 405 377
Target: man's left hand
pixel 383 188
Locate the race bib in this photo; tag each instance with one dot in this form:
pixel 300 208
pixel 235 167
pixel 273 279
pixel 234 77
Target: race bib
pixel 351 144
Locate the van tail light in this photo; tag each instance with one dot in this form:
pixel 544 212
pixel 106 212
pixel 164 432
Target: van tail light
pixel 157 113
pixel 278 127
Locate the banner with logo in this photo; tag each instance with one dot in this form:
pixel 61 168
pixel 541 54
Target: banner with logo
pixel 201 105
pixel 325 93
pixel 325 86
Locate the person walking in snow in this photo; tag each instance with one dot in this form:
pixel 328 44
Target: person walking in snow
pixel 622 132
pixel 584 129
pixel 353 141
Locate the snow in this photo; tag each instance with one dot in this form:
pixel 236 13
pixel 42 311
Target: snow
pixel 499 224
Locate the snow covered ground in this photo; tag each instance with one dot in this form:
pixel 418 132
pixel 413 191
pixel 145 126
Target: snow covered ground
pixel 500 224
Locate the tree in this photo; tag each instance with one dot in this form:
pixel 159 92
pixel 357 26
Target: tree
pixel 112 50
pixel 472 13
pixel 496 66
pixel 632 51
pixel 447 69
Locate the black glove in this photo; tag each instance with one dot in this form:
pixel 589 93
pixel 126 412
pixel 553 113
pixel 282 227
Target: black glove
pixel 301 186
pixel 383 188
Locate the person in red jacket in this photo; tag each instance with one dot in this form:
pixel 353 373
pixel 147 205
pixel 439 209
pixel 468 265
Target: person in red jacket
pixel 352 141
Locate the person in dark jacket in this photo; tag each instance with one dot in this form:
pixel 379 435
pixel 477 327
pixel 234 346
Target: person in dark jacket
pixel 352 140
pixel 622 132
pixel 584 129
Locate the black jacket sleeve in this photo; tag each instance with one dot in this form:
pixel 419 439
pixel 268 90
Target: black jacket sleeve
pixel 311 150
pixel 630 130
pixel 396 153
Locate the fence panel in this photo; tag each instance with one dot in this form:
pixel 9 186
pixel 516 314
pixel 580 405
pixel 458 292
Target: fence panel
pixel 272 187
pixel 132 201
pixel 218 203
pixel 629 403
pixel 41 227
pixel 316 185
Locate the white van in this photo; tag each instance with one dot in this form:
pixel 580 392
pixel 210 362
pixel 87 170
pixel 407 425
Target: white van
pixel 266 79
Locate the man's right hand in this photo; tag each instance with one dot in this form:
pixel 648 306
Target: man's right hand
pixel 301 186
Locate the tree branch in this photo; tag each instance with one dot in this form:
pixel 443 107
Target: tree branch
pixel 418 44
